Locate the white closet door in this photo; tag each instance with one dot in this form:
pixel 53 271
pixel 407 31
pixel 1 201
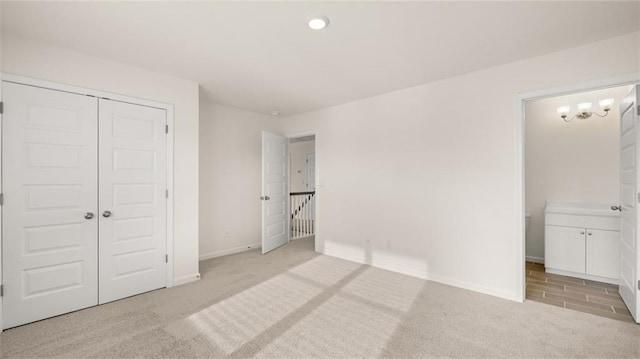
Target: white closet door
pixel 49 161
pixel 132 216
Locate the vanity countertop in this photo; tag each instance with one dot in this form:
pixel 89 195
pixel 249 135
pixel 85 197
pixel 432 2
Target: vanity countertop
pixel 581 208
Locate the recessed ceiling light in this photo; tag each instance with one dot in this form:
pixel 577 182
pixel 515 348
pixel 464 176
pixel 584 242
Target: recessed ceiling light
pixel 318 22
pixel 275 113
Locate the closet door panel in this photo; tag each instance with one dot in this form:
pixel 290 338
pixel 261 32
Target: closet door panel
pixel 132 199
pixel 50 164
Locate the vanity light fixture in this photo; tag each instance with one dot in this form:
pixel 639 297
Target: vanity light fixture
pixel 318 22
pixel 584 110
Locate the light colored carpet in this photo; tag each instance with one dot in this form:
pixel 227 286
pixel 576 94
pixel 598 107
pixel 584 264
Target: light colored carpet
pixel 295 303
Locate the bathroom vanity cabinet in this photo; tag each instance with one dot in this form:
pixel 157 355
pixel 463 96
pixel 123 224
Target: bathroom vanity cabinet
pixel 582 240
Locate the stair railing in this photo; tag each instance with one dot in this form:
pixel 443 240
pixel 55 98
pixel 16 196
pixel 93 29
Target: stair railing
pixel 302 214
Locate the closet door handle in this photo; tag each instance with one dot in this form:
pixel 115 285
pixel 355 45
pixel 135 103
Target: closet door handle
pixel 106 214
pixel 582 232
pixel 88 215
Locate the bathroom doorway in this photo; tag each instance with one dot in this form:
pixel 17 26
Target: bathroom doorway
pixel 572 192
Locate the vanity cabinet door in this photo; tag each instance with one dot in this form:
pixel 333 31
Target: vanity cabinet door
pixel 603 253
pixel 565 248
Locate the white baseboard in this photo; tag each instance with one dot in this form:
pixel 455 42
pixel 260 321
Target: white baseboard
pixel 386 261
pixel 583 276
pixel 304 237
pixel 186 279
pixel 226 252
pixel 535 259
pixel 474 287
pixel 411 267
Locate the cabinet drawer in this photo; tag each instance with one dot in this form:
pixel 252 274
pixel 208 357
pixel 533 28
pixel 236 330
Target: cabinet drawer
pixel 564 248
pixel 611 223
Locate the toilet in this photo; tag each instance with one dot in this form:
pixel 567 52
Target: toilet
pixel 527 221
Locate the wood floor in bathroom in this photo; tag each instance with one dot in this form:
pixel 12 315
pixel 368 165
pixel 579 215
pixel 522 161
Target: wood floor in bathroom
pixel 576 294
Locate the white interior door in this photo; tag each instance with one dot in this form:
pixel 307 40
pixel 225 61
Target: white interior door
pixel 49 228
pixel 275 196
pixel 629 198
pixel 311 171
pixel 132 195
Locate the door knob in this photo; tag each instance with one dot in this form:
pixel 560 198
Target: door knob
pixel 106 214
pixel 616 208
pixel 582 232
pixel 88 215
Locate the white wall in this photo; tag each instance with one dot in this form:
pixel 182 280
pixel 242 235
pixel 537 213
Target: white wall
pixel 428 175
pixel 577 161
pixel 27 58
pixel 298 165
pixel 230 178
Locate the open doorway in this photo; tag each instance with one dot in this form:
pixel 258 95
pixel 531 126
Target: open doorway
pixel 302 188
pixel 573 171
pixel 289 200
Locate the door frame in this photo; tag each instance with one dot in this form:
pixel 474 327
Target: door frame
pixel 23 80
pixel 317 242
pixel 519 203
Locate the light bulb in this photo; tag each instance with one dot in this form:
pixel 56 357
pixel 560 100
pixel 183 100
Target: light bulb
pixel 584 107
pixel 318 22
pixel 563 110
pixel 606 103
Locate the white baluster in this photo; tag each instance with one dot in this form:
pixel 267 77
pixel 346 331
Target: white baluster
pixel 310 204
pixel 302 212
pixel 295 206
pixel 306 208
pixel 297 216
